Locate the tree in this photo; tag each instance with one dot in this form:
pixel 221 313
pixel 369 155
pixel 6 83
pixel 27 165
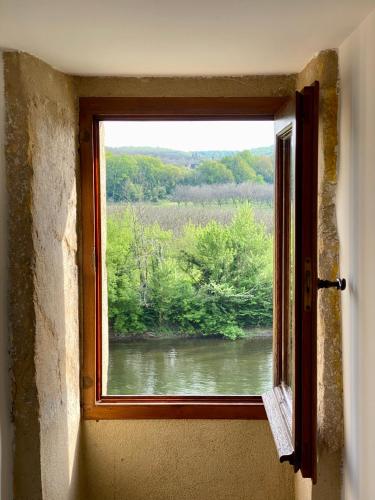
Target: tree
pixel 212 172
pixel 212 280
pixel 264 166
pixel 136 177
pixel 240 168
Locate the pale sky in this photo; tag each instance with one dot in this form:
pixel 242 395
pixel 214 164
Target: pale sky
pixel 190 135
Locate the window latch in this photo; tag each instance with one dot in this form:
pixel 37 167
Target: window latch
pixel 339 284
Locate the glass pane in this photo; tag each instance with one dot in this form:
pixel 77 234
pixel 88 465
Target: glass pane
pixel 288 263
pixel 188 213
pixel 290 371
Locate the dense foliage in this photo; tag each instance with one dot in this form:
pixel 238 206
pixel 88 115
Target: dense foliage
pixel 184 158
pixel 134 177
pixel 213 279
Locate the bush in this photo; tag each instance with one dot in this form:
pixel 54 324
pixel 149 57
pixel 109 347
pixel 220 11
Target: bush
pixel 210 280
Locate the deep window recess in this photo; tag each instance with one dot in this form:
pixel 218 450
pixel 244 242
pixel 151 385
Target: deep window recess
pixel 291 404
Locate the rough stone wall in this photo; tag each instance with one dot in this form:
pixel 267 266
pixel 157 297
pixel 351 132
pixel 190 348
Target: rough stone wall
pixel 21 308
pixel 324 68
pixel 241 86
pixel 6 429
pixel 42 174
pixel 42 167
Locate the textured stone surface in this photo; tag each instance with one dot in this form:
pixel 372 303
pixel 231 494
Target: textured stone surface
pixel 324 68
pixel 6 428
pixel 21 268
pixel 242 86
pixel 153 459
pixel 42 167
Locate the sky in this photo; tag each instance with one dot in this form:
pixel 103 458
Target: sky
pixel 190 135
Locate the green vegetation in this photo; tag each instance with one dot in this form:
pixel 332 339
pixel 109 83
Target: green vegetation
pixel 135 177
pixel 189 241
pixel 212 279
pixel 184 158
pixel 175 216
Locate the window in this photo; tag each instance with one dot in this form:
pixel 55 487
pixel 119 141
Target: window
pixel 291 404
pixel 292 400
pixel 188 210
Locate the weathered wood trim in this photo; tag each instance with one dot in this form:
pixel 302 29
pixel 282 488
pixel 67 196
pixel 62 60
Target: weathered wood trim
pixel 278 406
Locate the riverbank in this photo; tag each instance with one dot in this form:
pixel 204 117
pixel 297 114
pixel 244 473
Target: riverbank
pixel 250 333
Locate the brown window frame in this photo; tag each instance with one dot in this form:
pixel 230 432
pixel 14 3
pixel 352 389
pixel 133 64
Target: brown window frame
pixel 292 411
pixel 92 111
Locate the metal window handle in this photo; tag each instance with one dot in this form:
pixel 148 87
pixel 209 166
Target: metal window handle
pixel 339 284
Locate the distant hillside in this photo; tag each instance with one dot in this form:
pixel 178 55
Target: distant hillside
pixel 185 158
pixel 264 151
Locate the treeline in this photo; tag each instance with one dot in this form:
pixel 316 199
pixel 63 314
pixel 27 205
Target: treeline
pixel 143 178
pixel 210 280
pixel 184 158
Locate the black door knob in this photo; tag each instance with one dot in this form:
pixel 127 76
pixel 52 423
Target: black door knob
pixel 339 284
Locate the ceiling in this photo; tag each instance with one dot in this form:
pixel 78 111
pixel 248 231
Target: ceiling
pixel 175 37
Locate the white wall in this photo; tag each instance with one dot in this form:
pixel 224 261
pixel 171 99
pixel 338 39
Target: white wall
pixel 356 219
pixel 5 425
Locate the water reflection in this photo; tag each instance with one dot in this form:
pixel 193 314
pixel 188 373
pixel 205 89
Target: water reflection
pixel 203 366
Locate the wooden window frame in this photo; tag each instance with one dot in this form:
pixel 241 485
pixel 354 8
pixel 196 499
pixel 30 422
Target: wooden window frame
pixel 92 111
pixel 292 411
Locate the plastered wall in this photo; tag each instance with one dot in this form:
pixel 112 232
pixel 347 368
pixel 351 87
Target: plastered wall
pixel 356 217
pixel 324 68
pixel 184 460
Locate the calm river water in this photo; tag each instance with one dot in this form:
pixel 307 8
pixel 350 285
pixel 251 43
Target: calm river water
pixel 200 366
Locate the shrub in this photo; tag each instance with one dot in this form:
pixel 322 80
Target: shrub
pixel 210 280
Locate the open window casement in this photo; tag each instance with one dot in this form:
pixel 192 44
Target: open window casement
pixel 291 405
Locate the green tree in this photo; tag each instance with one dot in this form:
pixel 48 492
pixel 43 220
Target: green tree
pixel 212 172
pixel 240 168
pixel 212 280
pixel 136 177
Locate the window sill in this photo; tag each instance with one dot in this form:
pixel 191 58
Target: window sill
pixel 185 407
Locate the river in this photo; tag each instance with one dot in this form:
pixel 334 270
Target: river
pixel 191 366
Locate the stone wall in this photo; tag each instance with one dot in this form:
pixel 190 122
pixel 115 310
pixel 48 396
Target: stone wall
pixel 324 68
pixel 225 86
pixel 203 459
pixel 42 164
pixel 5 400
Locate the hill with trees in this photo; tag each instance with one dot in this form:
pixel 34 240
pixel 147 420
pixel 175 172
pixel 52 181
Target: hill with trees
pixel 146 177
pixel 174 156
pixel 184 158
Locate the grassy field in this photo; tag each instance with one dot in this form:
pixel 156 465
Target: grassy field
pixel 175 216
